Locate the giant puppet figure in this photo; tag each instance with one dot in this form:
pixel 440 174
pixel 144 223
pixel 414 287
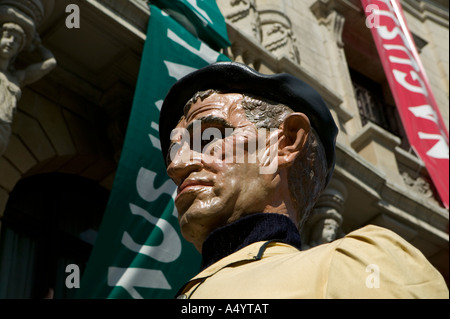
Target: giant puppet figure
pixel 250 154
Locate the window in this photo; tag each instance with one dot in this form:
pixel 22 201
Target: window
pixel 373 108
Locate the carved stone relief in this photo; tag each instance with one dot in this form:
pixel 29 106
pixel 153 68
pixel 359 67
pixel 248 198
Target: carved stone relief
pixel 243 14
pixel 418 185
pixel 270 27
pixel 19 20
pixel 277 35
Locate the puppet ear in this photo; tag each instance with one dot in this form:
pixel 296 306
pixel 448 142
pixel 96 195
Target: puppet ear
pixel 293 137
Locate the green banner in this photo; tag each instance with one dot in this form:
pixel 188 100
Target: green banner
pixel 201 17
pixel 139 252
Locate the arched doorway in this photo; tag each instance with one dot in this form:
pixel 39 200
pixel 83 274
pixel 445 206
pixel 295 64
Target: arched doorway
pixel 50 221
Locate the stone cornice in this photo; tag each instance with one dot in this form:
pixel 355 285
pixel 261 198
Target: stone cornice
pixel 424 10
pixel 388 197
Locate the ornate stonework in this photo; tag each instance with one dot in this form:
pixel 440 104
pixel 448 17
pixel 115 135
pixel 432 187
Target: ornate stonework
pixel 243 14
pixel 277 34
pixel 418 185
pixel 270 27
pixel 36 10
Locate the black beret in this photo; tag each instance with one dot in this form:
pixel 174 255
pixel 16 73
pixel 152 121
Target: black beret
pixel 235 77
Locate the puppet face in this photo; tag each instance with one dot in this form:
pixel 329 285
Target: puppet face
pixel 220 180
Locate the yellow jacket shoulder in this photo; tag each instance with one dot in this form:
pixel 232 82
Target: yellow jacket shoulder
pixel 374 262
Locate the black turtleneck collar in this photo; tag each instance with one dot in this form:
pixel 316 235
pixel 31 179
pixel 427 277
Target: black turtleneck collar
pixel 248 230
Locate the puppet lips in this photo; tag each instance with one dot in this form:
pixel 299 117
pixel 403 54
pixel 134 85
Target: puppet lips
pixel 189 184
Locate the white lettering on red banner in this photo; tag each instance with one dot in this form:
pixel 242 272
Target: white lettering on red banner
pixel 416 105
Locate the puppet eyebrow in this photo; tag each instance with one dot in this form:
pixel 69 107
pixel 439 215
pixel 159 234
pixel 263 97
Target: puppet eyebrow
pixel 211 120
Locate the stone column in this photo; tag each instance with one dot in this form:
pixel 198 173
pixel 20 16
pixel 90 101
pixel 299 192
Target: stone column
pixel 19 20
pixel 324 224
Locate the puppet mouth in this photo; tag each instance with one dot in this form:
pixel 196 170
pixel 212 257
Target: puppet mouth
pixel 191 185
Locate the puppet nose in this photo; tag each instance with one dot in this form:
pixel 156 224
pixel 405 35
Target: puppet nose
pixel 183 163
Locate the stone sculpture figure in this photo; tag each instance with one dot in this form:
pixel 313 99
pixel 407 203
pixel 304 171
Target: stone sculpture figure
pixel 322 227
pixel 18 34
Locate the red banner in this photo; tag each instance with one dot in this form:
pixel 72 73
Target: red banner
pixel 416 105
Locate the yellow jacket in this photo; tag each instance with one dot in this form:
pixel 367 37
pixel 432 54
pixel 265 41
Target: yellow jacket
pixel 371 262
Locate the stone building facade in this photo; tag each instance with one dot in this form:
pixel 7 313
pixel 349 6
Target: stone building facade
pixel 68 128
